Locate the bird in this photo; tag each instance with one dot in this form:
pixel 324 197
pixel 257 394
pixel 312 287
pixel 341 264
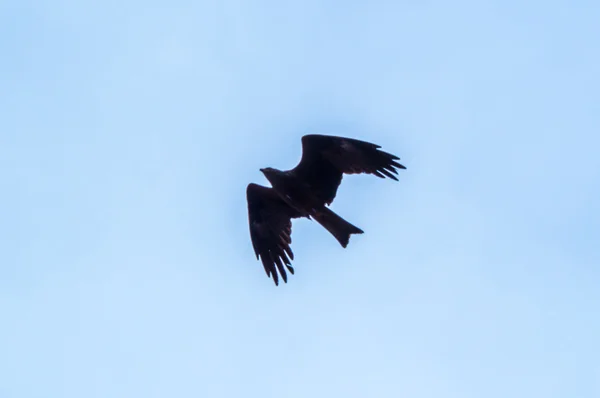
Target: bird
pixel 307 191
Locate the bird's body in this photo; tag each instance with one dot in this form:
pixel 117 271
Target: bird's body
pixel 306 191
pixel 293 191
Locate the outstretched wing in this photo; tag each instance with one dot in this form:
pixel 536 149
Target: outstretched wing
pixel 325 159
pixel 270 230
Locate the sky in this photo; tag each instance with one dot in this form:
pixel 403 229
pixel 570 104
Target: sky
pixel 130 130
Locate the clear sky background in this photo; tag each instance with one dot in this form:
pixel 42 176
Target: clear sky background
pixel 129 131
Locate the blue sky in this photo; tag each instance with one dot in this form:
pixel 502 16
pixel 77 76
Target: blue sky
pixel 129 132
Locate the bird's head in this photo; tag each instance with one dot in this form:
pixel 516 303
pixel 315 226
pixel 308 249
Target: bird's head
pixel 271 173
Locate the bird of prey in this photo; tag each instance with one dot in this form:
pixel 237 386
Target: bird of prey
pixel 306 191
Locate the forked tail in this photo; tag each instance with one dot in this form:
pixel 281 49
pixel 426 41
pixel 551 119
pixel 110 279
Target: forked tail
pixel 336 225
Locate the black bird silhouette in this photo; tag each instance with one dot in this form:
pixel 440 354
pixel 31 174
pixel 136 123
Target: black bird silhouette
pixel 306 191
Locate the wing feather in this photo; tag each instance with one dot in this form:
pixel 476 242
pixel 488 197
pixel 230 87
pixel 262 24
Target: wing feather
pixel 325 159
pixel 270 230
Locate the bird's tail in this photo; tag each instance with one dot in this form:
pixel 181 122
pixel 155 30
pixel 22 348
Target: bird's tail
pixel 336 225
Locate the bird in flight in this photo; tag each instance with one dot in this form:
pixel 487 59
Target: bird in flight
pixel 306 191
